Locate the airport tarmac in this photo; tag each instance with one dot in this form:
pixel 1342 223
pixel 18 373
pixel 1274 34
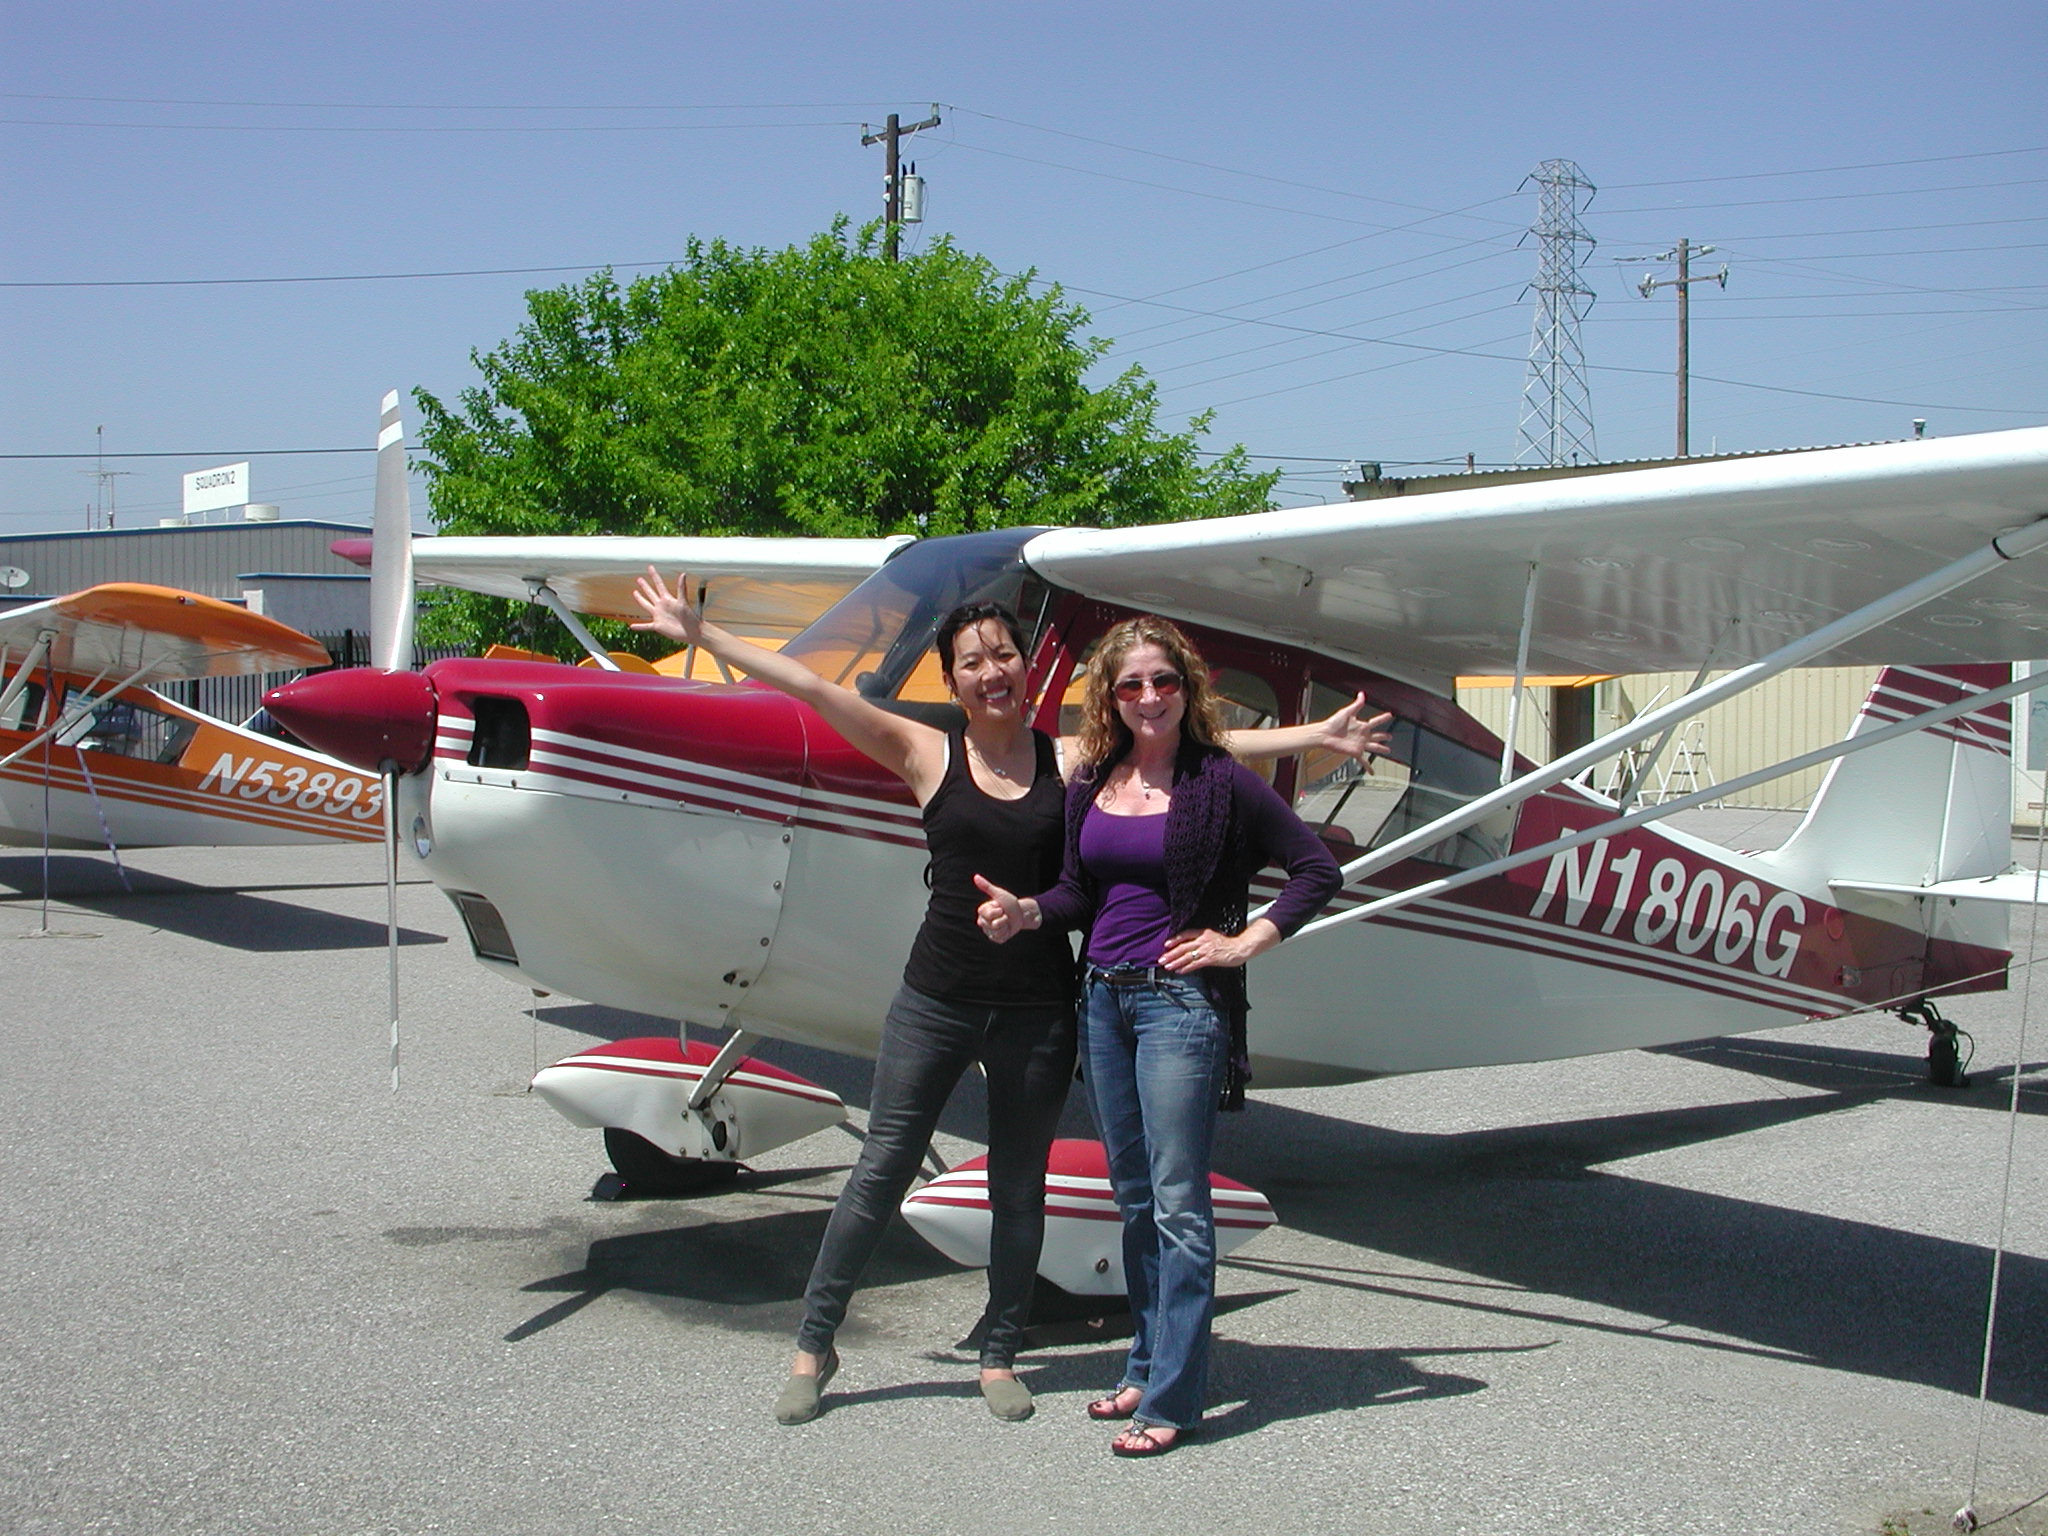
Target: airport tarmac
pixel 1732 1287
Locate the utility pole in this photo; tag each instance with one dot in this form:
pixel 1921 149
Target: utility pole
pixel 1683 254
pixel 892 173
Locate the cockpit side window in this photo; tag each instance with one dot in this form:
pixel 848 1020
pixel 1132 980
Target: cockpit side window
pixel 1428 776
pixel 124 728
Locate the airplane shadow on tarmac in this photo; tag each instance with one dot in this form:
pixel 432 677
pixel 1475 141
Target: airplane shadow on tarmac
pixel 1530 1211
pixel 236 919
pixel 714 1269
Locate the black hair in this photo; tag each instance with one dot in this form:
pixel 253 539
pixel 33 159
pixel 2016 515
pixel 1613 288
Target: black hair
pixel 965 617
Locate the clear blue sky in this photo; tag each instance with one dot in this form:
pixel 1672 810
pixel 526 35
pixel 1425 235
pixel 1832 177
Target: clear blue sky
pixel 1255 201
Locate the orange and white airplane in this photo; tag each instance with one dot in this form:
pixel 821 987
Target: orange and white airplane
pixel 713 852
pixel 91 758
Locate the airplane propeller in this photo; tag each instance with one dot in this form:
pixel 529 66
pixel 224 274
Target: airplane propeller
pixel 391 583
pixel 391 632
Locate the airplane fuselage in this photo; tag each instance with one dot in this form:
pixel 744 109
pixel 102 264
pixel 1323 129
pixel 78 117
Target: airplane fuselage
pixel 716 853
pixel 145 771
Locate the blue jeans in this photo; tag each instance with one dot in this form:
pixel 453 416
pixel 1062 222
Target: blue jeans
pixel 1155 1052
pixel 927 1042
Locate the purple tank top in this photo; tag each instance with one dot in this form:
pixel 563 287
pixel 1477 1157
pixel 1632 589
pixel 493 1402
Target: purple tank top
pixel 1126 855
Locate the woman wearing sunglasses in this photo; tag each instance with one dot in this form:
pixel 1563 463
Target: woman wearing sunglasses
pixel 1164 831
pixel 990 794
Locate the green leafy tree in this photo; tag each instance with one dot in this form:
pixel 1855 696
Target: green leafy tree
pixel 819 390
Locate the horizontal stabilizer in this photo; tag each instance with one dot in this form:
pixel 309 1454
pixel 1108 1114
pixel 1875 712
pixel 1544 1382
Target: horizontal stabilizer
pixel 2017 888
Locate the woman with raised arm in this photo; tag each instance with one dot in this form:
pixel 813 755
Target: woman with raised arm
pixel 991 797
pixel 1164 831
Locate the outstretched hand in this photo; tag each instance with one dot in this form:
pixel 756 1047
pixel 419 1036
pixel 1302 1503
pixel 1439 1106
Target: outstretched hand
pixel 669 614
pixel 1003 916
pixel 1362 738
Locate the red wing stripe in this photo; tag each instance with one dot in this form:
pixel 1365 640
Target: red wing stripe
pixel 693 1074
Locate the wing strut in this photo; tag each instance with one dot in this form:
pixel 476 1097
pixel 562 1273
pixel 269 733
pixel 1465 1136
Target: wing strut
pixel 1507 747
pixel 545 595
pixel 1650 813
pixel 70 717
pixel 27 669
pixel 2004 547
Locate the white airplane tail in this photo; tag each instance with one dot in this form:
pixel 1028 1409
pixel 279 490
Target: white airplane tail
pixel 1933 805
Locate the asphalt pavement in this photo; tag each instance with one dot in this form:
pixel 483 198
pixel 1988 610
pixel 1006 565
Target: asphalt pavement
pixel 1738 1286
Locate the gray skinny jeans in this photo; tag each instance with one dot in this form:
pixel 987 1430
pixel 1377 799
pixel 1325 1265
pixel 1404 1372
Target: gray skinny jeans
pixel 927 1042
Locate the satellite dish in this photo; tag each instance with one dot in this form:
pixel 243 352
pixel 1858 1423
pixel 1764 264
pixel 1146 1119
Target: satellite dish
pixel 13 577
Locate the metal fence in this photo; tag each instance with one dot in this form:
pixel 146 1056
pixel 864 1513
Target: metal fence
pixel 237 698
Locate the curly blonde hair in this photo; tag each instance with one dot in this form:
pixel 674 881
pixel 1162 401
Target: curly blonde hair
pixel 1103 737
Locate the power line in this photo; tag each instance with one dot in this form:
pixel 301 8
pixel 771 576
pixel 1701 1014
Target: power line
pixel 1237 319
pixel 448 106
pixel 1833 197
pixel 1207 165
pixel 196 453
pixel 1880 229
pixel 1829 170
pixel 44 122
pixel 1947 250
pixel 1335 246
pixel 339 277
pixel 1133 181
pixel 1325 352
pixel 1501 357
pixel 1158 371
pixel 1852 314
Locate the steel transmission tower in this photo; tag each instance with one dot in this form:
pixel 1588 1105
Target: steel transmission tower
pixel 1557 409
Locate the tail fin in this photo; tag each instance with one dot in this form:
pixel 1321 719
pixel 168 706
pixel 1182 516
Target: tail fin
pixel 1933 805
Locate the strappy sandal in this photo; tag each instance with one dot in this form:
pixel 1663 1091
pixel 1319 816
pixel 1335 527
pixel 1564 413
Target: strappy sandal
pixel 1112 1406
pixel 1142 1439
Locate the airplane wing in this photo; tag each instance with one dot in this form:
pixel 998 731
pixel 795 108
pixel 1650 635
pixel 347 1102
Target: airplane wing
pixel 755 587
pixel 1637 570
pixel 122 628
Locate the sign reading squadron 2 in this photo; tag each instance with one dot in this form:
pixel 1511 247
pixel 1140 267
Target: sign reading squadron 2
pixel 1697 908
pixel 299 784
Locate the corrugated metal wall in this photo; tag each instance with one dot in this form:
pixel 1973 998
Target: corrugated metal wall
pixel 205 558
pixel 1794 712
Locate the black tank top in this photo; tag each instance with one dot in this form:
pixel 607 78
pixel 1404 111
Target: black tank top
pixel 1018 845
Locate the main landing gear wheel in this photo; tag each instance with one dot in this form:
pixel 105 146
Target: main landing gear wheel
pixel 648 1170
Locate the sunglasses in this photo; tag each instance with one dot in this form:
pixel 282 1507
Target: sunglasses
pixel 1165 684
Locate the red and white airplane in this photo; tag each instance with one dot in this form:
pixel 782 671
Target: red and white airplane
pixel 91 758
pixel 711 851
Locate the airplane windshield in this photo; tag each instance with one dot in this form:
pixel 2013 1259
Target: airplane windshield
pixel 877 639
